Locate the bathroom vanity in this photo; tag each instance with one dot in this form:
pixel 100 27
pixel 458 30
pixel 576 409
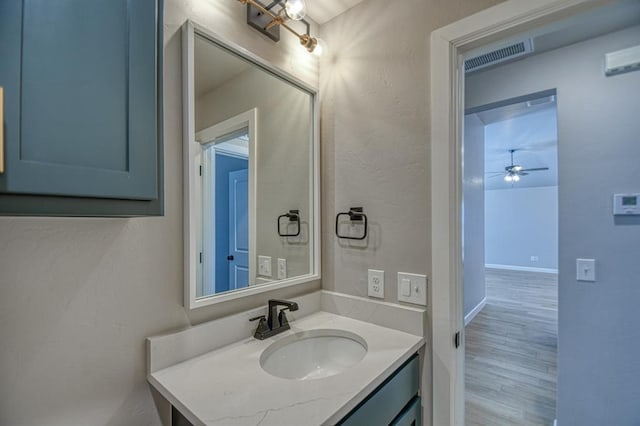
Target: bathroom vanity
pixel 210 375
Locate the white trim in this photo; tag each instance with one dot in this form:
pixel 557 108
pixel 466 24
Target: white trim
pixel 189 172
pixel 475 311
pixel 521 268
pixel 447 110
pixel 555 422
pixel 232 151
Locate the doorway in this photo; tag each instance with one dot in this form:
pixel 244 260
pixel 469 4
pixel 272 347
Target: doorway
pixel 594 385
pixel 510 249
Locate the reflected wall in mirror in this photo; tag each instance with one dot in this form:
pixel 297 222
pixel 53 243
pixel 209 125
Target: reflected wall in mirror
pixel 251 178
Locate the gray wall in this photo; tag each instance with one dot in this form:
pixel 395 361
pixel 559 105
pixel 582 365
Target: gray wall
pixel 474 213
pixel 598 152
pixel 283 158
pixel 79 296
pixel 520 223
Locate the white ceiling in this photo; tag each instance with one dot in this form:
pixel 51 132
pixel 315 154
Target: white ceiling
pixel 612 17
pixel 214 66
pixel 322 11
pixel 532 132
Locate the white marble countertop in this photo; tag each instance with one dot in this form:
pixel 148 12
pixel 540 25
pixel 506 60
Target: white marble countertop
pixel 228 386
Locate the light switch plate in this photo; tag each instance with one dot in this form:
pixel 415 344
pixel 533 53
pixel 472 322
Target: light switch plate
pixel 586 270
pixel 264 266
pixel 282 268
pixel 417 291
pixel 375 283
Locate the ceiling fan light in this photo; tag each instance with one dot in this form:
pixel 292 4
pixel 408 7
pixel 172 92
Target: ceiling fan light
pixel 515 178
pixel 517 168
pixel 508 178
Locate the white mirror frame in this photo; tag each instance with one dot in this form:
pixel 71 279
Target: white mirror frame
pixel 190 149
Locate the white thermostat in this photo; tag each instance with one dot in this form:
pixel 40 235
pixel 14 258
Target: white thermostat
pixel 626 204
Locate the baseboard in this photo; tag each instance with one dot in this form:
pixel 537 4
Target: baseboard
pixel 475 311
pixel 521 268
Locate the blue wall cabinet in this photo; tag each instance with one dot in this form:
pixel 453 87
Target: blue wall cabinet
pixel 82 107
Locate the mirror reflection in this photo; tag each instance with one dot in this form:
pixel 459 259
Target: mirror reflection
pixel 254 131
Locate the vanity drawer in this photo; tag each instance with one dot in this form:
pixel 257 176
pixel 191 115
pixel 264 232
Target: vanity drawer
pixel 411 415
pixel 386 403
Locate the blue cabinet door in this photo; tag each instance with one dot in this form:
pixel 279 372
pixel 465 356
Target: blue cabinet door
pixel 81 97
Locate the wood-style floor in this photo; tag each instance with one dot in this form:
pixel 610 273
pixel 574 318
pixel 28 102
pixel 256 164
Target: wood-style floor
pixel 511 345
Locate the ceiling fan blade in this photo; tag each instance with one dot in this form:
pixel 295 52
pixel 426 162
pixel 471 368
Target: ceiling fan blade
pixel 495 176
pixel 538 169
pixel 490 173
pixel 523 174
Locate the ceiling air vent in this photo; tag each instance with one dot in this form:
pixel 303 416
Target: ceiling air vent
pixel 497 56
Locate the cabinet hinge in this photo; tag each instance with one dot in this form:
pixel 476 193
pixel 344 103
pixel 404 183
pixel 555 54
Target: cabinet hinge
pixel 456 339
pixel 200 170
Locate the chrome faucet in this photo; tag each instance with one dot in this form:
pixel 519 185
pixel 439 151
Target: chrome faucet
pixel 276 322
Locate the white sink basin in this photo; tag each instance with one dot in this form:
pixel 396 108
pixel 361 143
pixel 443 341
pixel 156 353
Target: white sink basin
pixel 313 354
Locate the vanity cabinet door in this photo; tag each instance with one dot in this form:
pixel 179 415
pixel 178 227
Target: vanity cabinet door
pixel 387 404
pixel 82 104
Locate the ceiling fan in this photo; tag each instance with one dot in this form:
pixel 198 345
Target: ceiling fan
pixel 514 172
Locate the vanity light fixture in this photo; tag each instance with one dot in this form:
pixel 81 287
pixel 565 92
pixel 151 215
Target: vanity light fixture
pixel 269 18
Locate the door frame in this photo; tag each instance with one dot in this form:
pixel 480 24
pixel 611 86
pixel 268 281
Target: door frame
pixel 205 235
pixel 448 45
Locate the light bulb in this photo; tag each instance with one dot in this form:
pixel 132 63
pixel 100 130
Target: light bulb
pixel 295 9
pixel 508 178
pixel 321 47
pixel 517 168
pixel 516 178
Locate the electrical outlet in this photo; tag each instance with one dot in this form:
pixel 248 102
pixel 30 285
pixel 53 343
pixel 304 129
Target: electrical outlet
pixel 264 266
pixel 412 288
pixel 375 283
pixel 535 259
pixel 282 268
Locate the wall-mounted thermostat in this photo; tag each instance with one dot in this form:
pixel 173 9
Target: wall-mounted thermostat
pixel 626 204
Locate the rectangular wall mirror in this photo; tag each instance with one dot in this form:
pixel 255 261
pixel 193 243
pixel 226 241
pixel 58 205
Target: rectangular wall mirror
pixel 251 173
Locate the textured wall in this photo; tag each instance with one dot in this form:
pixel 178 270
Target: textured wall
pixel 78 296
pixel 375 146
pixel 520 223
pixel 473 211
pixel 598 151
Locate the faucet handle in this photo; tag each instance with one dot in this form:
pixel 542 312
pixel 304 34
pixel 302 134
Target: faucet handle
pixel 263 329
pixel 282 319
pixel 259 317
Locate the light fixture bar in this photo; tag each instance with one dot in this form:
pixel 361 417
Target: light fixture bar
pixel 306 40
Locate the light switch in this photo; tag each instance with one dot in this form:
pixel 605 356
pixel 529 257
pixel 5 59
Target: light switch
pixel 282 268
pixel 406 287
pixel 412 288
pixel 586 270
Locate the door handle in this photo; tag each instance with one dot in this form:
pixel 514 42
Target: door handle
pixel 1 130
pixel 230 257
